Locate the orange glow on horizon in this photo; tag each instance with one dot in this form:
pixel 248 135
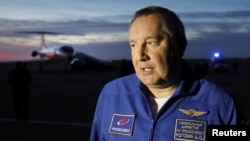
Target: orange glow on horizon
pixel 12 56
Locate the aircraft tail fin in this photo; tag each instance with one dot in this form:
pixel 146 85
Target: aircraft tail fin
pixel 42 34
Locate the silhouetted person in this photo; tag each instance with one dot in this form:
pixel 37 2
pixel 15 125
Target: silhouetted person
pixel 19 79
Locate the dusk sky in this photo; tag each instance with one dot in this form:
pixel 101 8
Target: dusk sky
pixel 100 27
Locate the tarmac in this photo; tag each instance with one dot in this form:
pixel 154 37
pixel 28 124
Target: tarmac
pixel 62 104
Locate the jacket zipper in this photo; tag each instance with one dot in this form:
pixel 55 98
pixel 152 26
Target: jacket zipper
pixel 151 130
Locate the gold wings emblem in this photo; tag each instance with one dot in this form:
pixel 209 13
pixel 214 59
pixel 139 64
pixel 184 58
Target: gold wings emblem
pixel 193 112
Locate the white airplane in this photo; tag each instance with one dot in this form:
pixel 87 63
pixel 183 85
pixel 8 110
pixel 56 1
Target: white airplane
pixel 66 54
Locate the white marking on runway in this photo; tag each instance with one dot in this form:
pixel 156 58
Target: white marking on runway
pixel 47 122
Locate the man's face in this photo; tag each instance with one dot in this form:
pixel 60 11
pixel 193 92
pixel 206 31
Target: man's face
pixel 149 45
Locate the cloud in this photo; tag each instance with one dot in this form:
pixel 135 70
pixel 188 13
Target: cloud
pixel 206 32
pixel 220 14
pixel 106 50
pixel 73 32
pixel 227 32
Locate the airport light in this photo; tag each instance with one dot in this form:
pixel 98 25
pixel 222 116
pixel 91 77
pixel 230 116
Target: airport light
pixel 216 55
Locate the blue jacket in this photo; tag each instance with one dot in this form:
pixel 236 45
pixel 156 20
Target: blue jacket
pixel 123 111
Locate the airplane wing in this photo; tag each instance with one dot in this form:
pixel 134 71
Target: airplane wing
pixel 84 61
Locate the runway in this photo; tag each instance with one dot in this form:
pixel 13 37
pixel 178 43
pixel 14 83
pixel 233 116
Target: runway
pixel 35 130
pixel 62 104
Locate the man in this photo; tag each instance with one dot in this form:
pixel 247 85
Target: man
pixel 19 79
pixel 164 99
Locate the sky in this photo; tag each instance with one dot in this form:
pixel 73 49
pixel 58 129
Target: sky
pixel 100 27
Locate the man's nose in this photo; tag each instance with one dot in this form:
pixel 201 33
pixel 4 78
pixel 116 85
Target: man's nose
pixel 142 53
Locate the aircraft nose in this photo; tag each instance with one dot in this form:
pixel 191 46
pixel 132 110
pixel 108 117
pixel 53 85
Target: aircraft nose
pixel 68 50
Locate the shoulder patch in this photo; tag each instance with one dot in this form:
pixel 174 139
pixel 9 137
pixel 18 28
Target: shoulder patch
pixel 122 124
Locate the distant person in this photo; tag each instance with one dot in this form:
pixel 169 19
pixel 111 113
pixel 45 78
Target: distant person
pixel 19 79
pixel 163 99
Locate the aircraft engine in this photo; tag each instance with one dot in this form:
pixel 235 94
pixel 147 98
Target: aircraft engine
pixel 34 54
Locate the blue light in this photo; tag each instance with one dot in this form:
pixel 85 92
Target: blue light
pixel 216 54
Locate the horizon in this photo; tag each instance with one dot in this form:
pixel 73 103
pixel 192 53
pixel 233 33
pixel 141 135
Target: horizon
pixel 102 30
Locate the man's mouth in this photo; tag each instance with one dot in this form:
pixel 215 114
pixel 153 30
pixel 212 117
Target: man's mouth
pixel 147 70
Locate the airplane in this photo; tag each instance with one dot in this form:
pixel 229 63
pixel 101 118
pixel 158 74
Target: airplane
pixel 66 54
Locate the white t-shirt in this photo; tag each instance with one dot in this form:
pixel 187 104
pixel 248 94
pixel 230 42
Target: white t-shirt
pixel 157 103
